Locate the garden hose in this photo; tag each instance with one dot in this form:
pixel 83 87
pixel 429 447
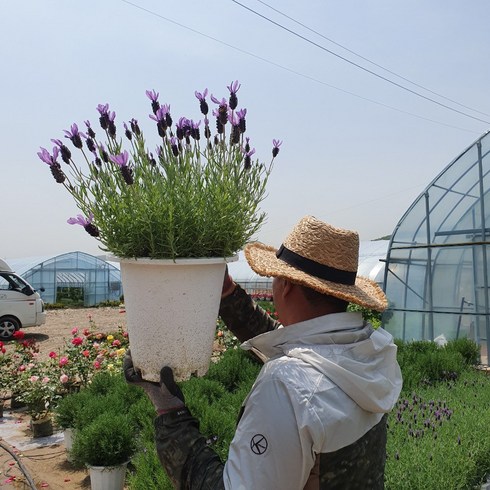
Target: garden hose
pixel 21 465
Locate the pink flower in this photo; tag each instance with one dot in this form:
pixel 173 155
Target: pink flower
pixel 45 380
pixel 86 353
pixel 96 364
pixel 125 334
pixel 33 379
pixel 64 378
pixel 77 341
pixel 21 368
pixel 53 355
pixel 116 343
pixel 74 330
pixel 86 332
pixel 96 345
pixel 63 361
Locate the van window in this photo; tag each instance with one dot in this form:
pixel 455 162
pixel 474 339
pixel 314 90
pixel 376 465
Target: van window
pixel 13 283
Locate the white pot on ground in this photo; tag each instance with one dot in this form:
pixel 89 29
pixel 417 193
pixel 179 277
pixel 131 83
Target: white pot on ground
pixel 171 309
pixel 107 477
pixel 68 435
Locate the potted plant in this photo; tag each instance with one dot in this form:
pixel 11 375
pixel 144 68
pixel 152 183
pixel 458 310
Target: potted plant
pixel 106 445
pixel 66 414
pixel 38 390
pixel 176 213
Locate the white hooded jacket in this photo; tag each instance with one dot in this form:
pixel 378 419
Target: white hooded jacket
pixel 324 384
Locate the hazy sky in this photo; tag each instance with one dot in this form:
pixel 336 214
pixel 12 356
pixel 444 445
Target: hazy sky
pixel 357 149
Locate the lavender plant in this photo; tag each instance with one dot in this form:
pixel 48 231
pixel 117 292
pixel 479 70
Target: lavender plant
pixel 196 195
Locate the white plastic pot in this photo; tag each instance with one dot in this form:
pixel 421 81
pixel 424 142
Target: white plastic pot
pixel 68 434
pixel 171 310
pixel 107 477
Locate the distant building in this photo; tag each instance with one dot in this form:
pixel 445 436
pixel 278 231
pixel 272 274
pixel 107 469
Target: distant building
pixel 73 279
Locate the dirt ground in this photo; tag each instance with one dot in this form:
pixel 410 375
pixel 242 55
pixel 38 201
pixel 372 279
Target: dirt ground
pixel 47 465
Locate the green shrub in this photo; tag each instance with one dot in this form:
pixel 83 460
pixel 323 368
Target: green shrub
pixel 234 367
pixel 467 348
pixel 109 440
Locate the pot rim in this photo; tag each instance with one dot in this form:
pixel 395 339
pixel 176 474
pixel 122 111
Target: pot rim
pixel 183 261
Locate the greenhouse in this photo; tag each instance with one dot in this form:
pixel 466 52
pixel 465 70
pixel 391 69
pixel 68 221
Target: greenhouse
pixel 72 279
pixel 437 266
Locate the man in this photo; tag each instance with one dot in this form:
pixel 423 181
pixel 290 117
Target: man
pixel 316 415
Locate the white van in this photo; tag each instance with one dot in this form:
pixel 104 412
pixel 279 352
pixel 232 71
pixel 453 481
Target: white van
pixel 20 305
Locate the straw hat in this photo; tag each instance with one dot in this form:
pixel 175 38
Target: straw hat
pixel 321 257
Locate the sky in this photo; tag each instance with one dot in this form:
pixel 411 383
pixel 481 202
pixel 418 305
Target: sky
pixel 357 149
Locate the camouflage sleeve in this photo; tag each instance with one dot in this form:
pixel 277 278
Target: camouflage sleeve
pixel 243 317
pixel 184 453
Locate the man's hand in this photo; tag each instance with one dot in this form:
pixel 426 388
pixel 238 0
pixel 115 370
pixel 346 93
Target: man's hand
pixel 166 396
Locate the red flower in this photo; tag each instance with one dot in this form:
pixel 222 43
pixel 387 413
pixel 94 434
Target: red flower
pixel 53 355
pixel 86 332
pixel 77 341
pixel 19 335
pixel 63 361
pixel 1 344
pixel 86 353
pixel 116 343
pixel 96 364
pixel 3 350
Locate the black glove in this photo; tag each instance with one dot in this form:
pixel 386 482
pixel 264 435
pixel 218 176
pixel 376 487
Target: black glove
pixel 165 396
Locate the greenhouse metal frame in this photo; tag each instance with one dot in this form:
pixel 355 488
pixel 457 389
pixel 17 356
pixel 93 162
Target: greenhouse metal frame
pixel 95 279
pixel 436 272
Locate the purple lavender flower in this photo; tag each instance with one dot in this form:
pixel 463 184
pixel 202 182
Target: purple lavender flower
pixel 222 112
pixel 202 101
pixel 90 131
pixel 233 88
pixel 127 132
pixel 174 146
pixel 103 153
pixel 194 131
pixel 64 151
pixel 90 228
pixel 241 120
pixel 122 160
pixel 183 128
pixel 75 136
pixel 275 147
pixel 46 157
pixel 111 126
pixel 54 166
pixel 104 116
pixel 135 127
pixel 161 119
pixel 247 154
pixel 153 96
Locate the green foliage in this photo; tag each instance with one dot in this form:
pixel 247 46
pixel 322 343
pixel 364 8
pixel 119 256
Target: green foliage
pixel 109 440
pixel 467 348
pixel 147 471
pixel 234 368
pixel 442 434
pixel 371 316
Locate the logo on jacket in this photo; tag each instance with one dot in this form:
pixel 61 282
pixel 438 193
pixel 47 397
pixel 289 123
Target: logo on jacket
pixel 258 444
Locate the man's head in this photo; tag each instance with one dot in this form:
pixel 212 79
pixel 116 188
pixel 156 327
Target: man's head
pixel 320 257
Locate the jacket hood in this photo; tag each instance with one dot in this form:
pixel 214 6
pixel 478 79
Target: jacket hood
pixel 361 361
